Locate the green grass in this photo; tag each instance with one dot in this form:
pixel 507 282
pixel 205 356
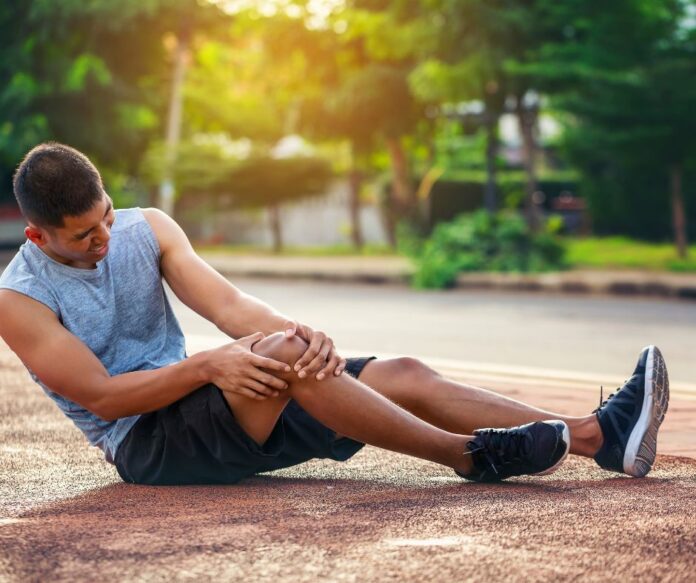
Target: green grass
pixel 623 253
pixel 323 251
pixel 594 252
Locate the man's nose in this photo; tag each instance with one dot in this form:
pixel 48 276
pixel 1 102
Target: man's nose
pixel 103 235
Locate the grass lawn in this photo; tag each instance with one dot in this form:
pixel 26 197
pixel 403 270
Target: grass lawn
pixel 622 253
pixel 594 252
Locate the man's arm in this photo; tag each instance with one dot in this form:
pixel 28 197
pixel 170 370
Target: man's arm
pixel 204 290
pixel 234 312
pixel 68 367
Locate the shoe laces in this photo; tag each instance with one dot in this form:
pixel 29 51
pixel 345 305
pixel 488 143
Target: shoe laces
pixel 500 447
pixel 603 403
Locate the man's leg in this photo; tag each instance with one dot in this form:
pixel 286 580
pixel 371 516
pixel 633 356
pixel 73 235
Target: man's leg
pixel 462 408
pixel 350 408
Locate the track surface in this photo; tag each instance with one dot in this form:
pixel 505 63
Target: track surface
pixel 65 515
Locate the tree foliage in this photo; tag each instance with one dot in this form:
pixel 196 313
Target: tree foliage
pixel 626 72
pixel 373 74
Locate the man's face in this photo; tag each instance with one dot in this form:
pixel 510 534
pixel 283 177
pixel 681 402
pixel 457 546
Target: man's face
pixel 83 240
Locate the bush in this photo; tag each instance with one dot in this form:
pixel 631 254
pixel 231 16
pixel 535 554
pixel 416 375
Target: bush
pixel 484 242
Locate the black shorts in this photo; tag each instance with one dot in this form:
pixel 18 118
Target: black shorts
pixel 197 440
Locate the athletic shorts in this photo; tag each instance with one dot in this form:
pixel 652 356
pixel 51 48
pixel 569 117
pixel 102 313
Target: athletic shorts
pixel 197 440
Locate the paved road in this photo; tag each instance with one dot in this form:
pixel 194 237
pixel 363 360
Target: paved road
pixel 591 335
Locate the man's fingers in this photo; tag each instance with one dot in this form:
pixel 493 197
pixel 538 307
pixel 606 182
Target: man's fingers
pixel 250 340
pixel 311 352
pixel 269 380
pixel 246 393
pixel 341 366
pixel 290 328
pixel 318 361
pixel 260 388
pixel 269 363
pixel 330 367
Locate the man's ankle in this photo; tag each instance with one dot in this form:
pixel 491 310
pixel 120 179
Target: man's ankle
pixel 586 436
pixel 463 464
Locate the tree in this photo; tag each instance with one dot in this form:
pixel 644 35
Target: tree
pixel 87 74
pixel 378 96
pixel 631 98
pixel 480 44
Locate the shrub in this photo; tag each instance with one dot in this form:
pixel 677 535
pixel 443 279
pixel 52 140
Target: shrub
pixel 481 241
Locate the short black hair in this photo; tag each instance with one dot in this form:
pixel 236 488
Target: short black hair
pixel 54 181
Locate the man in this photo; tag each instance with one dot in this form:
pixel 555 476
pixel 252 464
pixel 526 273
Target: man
pixel 83 306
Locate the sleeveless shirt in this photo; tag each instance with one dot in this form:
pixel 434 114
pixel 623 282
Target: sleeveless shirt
pixel 119 310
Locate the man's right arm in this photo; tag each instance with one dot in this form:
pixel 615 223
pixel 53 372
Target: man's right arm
pixel 68 367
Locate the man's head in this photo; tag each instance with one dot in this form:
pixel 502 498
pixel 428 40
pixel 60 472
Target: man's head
pixel 61 195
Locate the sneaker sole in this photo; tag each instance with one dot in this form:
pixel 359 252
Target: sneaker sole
pixel 641 447
pixel 566 440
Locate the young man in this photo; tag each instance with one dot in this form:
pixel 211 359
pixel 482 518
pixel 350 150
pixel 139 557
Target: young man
pixel 83 306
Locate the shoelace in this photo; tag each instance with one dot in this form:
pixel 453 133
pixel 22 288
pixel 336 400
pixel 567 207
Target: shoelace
pixel 603 404
pixel 500 447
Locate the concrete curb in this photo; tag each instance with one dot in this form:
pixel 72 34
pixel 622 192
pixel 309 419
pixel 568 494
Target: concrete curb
pixel 629 283
pixel 397 271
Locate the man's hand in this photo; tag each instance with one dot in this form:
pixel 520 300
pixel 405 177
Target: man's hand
pixel 236 369
pixel 320 358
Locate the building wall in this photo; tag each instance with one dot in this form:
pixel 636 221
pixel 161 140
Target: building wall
pixel 317 221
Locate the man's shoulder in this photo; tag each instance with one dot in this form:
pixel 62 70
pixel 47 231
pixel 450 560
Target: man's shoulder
pixel 166 229
pixel 127 218
pixel 23 279
pixel 24 265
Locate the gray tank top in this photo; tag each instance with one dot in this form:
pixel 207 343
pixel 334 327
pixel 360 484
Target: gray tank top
pixel 119 310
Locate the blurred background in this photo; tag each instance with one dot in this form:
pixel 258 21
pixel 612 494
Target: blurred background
pixel 468 135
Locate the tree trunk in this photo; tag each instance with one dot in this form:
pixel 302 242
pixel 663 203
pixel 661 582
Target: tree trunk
pixel 678 214
pixel 491 191
pixel 401 184
pixel 276 231
pixel 402 203
pixel 166 190
pixel 355 182
pixel 527 119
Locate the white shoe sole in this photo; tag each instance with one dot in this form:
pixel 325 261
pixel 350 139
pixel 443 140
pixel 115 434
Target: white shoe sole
pixel 641 447
pixel 566 439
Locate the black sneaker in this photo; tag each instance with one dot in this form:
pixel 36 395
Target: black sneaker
pixel 535 448
pixel 631 417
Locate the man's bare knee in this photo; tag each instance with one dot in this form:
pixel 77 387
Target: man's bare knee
pixel 414 369
pixel 278 347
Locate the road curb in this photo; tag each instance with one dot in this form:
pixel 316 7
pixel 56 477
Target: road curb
pixel 580 282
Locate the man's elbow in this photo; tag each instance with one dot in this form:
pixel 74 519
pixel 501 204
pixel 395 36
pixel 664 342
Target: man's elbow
pixel 103 407
pixel 102 410
pixel 108 409
pixel 106 415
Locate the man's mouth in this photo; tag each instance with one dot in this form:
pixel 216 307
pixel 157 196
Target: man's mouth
pixel 100 250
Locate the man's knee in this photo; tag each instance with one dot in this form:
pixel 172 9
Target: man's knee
pixel 278 347
pixel 413 369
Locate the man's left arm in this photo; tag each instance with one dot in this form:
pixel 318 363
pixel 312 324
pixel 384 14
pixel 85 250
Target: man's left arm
pixel 234 312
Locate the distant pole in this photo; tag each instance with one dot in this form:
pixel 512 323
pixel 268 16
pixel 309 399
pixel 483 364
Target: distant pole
pixel 167 189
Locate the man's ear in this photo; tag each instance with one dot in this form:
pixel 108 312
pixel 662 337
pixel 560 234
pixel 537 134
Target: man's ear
pixel 35 235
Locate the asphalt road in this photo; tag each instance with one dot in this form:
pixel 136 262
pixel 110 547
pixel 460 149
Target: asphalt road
pixel 587 335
